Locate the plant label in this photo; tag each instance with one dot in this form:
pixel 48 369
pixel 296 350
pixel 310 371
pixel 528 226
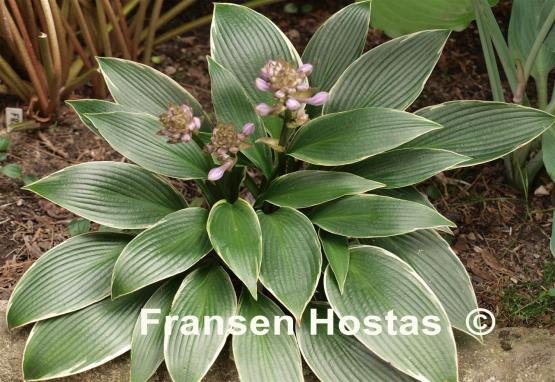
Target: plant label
pixel 13 115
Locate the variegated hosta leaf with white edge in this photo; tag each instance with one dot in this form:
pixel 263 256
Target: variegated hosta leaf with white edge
pixel 351 136
pixel 243 40
pixel 169 247
pixel 147 347
pixel 307 188
pixel 400 17
pixel 67 278
pixel 81 340
pixel 337 43
pixel 482 130
pixel 234 231
pixel 391 75
pixel 135 136
pixel 548 151
pixel 270 357
pixel 87 106
pixel 405 167
pixel 380 284
pixel 194 344
pixel 336 249
pixel 434 260
pixel 117 195
pixel 232 105
pixel 291 260
pixel 339 357
pixel 375 216
pixel 143 88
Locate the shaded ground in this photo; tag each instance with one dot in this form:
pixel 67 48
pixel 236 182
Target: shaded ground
pixel 502 239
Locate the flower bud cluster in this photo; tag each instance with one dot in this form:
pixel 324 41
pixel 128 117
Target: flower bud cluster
pixel 179 124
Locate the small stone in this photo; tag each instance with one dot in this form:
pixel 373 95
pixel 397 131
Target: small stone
pixel 541 191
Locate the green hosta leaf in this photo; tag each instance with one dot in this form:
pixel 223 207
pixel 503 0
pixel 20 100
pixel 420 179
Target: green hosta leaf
pixel 135 136
pixel 351 136
pixel 205 292
pixel 5 143
pixel 391 75
pixel 405 167
pixel 434 260
pixel 78 226
pixel 267 357
pixel 292 260
pixel 142 88
pixel 482 130
pixel 379 282
pixel 147 350
pixel 337 43
pixel 88 106
pixel 548 150
pixel 375 216
pixel 235 233
pixel 400 17
pixel 336 249
pixel 113 194
pixel 68 277
pixel 308 188
pixel 243 40
pixel 169 247
pixel 81 340
pixel 527 18
pixel 11 170
pixel 233 105
pixel 339 357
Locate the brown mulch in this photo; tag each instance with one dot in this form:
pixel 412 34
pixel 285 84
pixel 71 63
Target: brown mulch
pixel 501 238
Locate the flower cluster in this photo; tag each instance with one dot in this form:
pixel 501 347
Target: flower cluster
pixel 179 124
pixel 224 145
pixel 290 86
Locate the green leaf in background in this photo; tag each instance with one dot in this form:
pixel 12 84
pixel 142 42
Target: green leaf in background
pixel 207 291
pixel 336 249
pixel 28 179
pixel 143 88
pixel 308 188
pixel 147 350
pixel 405 167
pixel 291 260
pixel 379 282
pixel 338 357
pixel 548 151
pixel 78 226
pixel 70 276
pixel 169 247
pixel 243 40
pixel 11 170
pixel 89 106
pixel 114 194
pixel 527 18
pixel 482 130
pixel 400 17
pixel 391 75
pixel 351 136
pixel 337 43
pixel 5 143
pixel 434 260
pixel 375 216
pixel 552 240
pixel 235 233
pixel 269 357
pixel 232 105
pixel 81 340
pixel 135 136
pixel 3 156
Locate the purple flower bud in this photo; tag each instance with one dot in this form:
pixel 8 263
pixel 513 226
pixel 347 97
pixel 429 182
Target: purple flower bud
pixel 280 94
pixel 303 87
pixel 248 129
pixel 197 123
pixel 186 138
pixel 262 85
pixel 318 99
pixel 292 104
pixel 264 74
pixel 263 109
pixel 217 172
pixel 306 69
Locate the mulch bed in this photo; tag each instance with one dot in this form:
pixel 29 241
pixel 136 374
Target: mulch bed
pixel 502 239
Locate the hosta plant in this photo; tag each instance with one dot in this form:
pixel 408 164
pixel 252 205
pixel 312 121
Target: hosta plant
pixel 306 171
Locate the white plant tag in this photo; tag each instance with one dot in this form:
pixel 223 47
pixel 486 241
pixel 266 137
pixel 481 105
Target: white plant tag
pixel 13 115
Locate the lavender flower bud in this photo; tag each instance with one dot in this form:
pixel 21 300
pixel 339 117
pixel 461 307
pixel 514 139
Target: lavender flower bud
pixel 197 122
pixel 216 173
pixel 318 99
pixel 186 138
pixel 292 104
pixel 306 69
pixel 263 109
pixel 280 94
pixel 262 85
pixel 264 74
pixel 248 128
pixel 303 87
